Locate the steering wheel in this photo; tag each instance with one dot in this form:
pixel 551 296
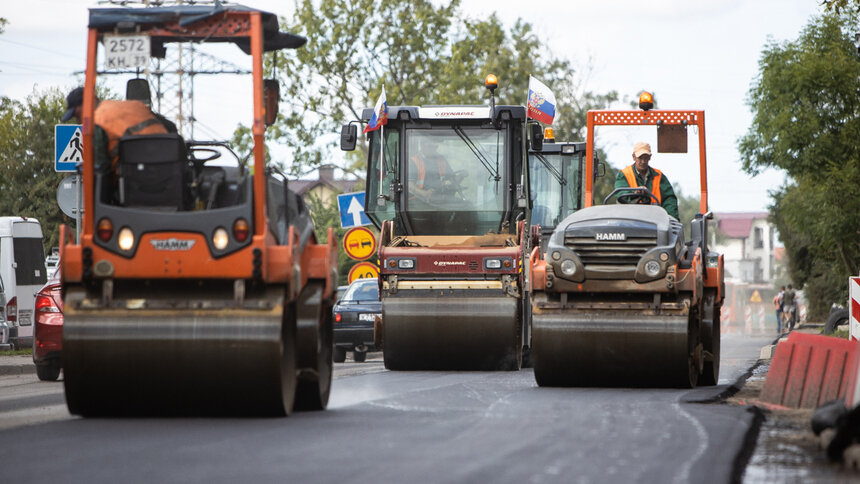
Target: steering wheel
pixel 453 184
pixel 632 195
pixel 211 154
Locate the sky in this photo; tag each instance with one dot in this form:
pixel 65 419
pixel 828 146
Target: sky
pixel 691 55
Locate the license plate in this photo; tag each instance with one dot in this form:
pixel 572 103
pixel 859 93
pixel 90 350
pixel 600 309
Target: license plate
pixel 126 51
pixel 367 316
pixel 25 318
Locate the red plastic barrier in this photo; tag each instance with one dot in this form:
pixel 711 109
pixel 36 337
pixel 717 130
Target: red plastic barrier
pixel 808 370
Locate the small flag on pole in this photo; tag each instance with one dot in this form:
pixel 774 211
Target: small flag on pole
pixel 380 114
pixel 541 102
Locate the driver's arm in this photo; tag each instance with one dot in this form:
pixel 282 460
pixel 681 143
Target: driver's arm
pixel 670 201
pixel 621 180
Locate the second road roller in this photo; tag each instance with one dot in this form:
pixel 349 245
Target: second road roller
pixel 198 285
pixel 619 296
pixel 447 186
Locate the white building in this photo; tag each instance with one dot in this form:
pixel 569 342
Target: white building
pixel 747 242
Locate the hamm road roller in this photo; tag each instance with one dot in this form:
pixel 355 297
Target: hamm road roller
pixel 198 285
pixel 447 186
pixel 619 297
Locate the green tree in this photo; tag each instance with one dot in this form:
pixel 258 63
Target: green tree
pixel 29 183
pixel 423 55
pixel 840 5
pixel 806 121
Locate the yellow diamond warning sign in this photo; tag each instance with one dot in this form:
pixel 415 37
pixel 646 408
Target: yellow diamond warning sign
pixel 359 243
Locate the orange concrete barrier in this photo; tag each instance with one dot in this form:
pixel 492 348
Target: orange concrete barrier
pixel 808 370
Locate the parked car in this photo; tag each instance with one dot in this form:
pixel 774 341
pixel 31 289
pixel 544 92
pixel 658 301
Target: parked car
pixel 48 332
pixel 22 267
pixel 353 320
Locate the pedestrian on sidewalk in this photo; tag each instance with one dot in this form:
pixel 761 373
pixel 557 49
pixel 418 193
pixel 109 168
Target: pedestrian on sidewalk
pixel 777 304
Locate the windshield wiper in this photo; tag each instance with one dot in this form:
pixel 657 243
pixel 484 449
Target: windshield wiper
pixel 477 152
pixel 553 170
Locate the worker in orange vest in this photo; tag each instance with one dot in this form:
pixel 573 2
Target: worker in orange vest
pixel 113 120
pixel 639 174
pixel 427 171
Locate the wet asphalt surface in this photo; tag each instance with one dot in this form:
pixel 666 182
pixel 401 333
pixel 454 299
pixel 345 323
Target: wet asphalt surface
pixel 400 427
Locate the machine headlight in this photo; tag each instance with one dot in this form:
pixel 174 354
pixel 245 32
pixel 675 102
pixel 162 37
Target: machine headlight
pixel 652 268
pixel 220 238
pixel 125 240
pixel 568 267
pixel 493 263
pixel 406 264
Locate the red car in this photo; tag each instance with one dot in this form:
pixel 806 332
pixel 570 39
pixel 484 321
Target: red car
pixel 48 333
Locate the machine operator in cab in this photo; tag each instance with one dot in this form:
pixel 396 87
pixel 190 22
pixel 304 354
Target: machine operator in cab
pixel 639 174
pixel 113 120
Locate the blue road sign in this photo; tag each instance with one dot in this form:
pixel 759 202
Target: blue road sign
pixel 68 147
pixel 351 206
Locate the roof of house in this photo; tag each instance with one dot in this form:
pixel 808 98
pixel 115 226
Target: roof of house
pixel 326 178
pixel 737 225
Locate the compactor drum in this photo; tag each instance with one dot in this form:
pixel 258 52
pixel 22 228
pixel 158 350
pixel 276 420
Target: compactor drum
pixel 448 190
pixel 197 287
pixel 619 298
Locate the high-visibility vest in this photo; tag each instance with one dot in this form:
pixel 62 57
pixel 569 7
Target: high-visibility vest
pixel 422 170
pixel 122 118
pixel 631 181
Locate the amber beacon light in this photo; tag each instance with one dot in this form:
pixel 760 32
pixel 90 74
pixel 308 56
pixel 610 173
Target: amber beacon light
pixel 646 101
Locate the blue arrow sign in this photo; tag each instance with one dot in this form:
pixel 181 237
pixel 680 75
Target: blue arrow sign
pixel 68 147
pixel 351 206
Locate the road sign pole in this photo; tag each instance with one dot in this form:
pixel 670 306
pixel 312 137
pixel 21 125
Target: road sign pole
pixel 78 209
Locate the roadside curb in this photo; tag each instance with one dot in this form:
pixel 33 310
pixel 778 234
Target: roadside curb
pixel 17 365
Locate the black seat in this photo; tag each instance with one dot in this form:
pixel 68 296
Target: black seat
pixel 152 171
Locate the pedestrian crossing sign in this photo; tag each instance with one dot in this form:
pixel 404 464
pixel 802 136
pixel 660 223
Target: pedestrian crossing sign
pixel 68 147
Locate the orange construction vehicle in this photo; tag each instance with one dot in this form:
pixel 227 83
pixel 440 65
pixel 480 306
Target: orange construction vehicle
pixel 618 296
pixel 197 287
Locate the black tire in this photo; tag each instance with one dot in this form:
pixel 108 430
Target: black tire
pixel 836 318
pixel 711 367
pixel 359 356
pixel 49 372
pixel 339 354
pixel 314 347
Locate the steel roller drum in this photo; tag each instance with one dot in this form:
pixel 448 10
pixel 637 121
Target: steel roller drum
pixel 178 362
pixel 451 333
pixel 610 348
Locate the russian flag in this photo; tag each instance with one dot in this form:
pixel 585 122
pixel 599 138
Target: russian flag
pixel 380 114
pixel 541 102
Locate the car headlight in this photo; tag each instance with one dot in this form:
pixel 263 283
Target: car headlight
pixel 125 240
pixel 652 268
pixel 568 267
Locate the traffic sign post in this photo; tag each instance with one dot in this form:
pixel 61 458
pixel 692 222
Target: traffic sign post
pixel 351 206
pixel 359 243
pixel 68 147
pixel 363 270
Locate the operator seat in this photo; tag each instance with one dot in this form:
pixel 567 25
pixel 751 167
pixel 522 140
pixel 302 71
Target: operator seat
pixel 153 171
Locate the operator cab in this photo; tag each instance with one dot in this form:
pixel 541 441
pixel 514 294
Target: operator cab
pixel 555 177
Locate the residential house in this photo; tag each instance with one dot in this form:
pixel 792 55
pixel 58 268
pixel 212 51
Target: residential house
pixel 747 241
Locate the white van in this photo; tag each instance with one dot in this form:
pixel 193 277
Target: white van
pixel 22 267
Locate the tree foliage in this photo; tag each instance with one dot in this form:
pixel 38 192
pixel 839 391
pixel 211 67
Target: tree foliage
pixel 423 54
pixel 29 183
pixel 806 121
pixel 839 5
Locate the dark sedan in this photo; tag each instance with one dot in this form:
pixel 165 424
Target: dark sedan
pixel 353 320
pixel 48 332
